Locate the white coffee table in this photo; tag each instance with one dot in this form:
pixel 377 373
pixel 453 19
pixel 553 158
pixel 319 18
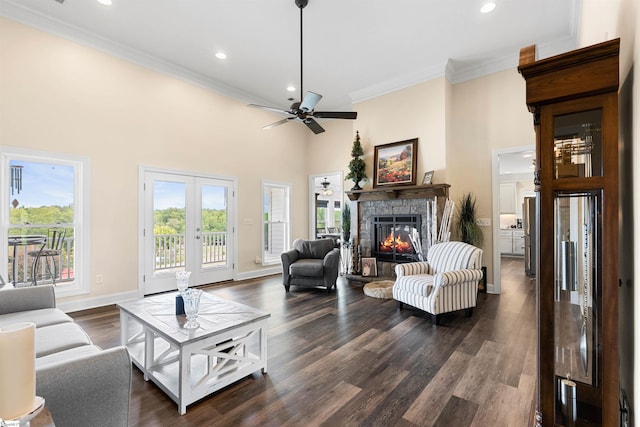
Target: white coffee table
pixel 189 364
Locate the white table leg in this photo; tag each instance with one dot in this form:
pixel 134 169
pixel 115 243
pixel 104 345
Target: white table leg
pixel 263 346
pixel 184 387
pixel 149 351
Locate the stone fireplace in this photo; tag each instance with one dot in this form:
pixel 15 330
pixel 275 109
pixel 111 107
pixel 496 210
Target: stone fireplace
pixel 420 205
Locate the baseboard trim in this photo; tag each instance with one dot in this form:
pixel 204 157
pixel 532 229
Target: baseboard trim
pixel 259 273
pixel 85 304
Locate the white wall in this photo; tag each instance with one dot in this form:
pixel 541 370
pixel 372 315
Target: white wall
pixel 414 112
pixel 488 114
pixel 56 95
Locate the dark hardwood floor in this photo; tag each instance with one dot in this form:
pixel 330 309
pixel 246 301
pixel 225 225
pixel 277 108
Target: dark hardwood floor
pixel 345 359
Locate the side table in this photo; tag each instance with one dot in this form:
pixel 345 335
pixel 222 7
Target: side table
pixel 43 419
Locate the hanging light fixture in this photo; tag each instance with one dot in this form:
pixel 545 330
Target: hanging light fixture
pixel 326 188
pixel 16 179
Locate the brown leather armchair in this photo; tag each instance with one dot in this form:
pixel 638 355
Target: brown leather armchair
pixel 311 263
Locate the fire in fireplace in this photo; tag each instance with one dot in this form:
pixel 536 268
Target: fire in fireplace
pixel 395 237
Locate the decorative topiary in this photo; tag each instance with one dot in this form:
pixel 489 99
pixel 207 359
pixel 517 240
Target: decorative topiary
pixel 357 165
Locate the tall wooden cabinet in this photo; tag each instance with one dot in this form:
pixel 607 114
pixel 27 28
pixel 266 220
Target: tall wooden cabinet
pixel 574 101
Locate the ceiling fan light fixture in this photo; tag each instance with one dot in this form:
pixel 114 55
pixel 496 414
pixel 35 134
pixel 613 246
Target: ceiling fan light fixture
pixel 488 7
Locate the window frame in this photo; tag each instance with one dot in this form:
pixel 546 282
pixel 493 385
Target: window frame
pixel 81 213
pixel 287 229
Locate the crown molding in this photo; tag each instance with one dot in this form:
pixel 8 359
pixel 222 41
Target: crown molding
pixel 399 82
pixel 455 70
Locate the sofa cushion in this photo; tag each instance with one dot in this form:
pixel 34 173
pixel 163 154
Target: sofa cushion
pixel 306 267
pixel 316 249
pixel 41 317
pixel 66 355
pixel 60 337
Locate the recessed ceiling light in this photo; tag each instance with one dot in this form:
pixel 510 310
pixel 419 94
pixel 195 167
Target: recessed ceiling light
pixel 105 2
pixel 488 7
pixel 221 55
pixel 291 88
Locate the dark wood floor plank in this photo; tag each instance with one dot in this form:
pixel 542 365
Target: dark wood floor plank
pixel 354 412
pixel 347 359
pixel 428 405
pixel 457 412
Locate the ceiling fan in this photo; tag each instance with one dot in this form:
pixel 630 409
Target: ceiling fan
pixel 304 110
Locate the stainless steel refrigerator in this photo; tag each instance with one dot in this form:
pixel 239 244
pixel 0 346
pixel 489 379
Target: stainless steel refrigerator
pixel 529 225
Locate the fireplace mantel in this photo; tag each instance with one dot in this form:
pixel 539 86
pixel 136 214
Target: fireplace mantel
pixel 400 192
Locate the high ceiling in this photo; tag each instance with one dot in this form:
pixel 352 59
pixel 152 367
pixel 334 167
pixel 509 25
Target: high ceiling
pixel 353 50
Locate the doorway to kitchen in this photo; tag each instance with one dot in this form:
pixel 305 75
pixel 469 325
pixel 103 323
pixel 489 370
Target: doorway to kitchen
pixel 512 171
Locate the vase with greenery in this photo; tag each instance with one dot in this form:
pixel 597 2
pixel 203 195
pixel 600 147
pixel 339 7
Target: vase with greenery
pixel 467 228
pixel 346 223
pixel 356 165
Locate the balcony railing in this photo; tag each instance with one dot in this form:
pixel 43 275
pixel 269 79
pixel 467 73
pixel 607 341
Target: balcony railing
pixel 170 250
pixel 170 254
pixel 64 270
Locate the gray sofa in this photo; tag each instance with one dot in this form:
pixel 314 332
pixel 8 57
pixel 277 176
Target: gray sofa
pixel 82 384
pixel 311 263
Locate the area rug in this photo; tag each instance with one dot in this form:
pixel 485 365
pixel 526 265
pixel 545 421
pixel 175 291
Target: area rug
pixel 380 289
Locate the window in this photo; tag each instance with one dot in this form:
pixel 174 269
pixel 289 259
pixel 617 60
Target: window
pixel 44 191
pixel 321 216
pixel 276 227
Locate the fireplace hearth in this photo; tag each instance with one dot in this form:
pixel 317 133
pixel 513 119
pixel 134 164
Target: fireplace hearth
pixel 396 238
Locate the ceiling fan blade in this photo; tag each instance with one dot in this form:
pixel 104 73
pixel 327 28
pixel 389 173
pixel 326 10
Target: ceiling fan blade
pixel 336 114
pixel 313 125
pixel 278 123
pixel 309 102
pixel 277 110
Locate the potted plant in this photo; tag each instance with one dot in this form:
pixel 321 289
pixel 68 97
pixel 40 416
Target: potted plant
pixel 467 228
pixel 356 165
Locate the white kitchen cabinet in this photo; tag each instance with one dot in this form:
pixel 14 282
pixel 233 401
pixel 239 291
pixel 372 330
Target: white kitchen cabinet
pixel 506 244
pixel 512 242
pixel 518 242
pixel 508 198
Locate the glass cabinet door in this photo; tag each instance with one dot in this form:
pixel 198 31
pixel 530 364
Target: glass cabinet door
pixel 577 286
pixel 578 144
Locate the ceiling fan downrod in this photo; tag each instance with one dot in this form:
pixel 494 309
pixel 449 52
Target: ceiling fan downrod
pixel 301 5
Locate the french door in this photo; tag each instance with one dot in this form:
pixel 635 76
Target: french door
pixel 188 225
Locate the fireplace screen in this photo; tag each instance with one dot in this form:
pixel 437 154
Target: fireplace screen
pixel 396 237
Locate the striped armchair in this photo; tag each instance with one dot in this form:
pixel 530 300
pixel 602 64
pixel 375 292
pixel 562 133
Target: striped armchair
pixel 447 281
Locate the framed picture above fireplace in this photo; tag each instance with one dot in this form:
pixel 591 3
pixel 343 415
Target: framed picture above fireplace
pixel 395 163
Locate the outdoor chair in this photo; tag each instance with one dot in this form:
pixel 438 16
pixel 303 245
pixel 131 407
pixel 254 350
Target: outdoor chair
pixel 50 251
